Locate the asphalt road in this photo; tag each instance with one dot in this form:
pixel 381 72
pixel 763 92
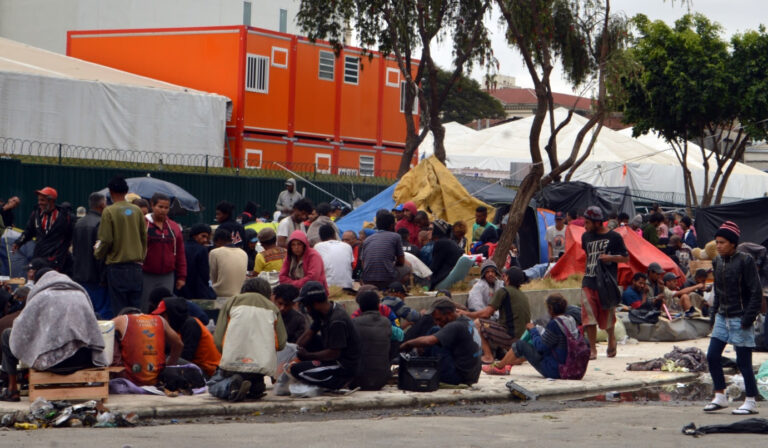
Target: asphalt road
pixel 593 425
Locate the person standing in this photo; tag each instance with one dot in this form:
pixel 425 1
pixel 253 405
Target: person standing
pixel 51 226
pixel 689 234
pixel 166 263
pixel 88 271
pixel 288 197
pixel 738 297
pixel 122 244
pixel 198 271
pixel 481 223
pixel 556 237
pixel 225 213
pixel 295 221
pixel 601 246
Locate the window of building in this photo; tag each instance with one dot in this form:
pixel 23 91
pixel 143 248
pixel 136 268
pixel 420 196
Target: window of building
pixel 257 74
pixel 326 65
pixel 283 21
pixel 253 158
pixel 367 165
pixel 351 69
pixel 393 77
pixel 279 57
pixel 247 13
pixel 323 163
pixel 402 100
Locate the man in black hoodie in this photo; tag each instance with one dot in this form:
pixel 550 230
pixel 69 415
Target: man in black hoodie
pixel 198 271
pixel 199 347
pixel 224 216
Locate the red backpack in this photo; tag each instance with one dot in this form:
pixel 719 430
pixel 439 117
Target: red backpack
pixel 577 357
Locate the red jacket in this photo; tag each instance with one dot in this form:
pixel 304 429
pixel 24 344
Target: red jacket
pixel 314 269
pixel 165 249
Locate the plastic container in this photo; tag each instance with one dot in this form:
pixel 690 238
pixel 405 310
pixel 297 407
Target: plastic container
pixel 107 328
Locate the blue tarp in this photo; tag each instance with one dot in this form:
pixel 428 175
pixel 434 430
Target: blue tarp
pixel 545 219
pixel 367 212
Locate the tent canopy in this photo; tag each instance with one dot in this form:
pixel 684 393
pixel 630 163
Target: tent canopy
pixel 641 254
pixel 492 193
pixel 355 219
pixel 751 217
pixel 565 196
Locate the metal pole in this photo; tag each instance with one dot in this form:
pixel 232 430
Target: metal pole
pixel 310 183
pixel 59 153
pixel 206 164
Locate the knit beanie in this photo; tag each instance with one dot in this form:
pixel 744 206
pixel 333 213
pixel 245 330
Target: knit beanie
pixel 730 231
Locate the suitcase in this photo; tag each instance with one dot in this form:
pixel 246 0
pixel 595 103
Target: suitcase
pixel 418 373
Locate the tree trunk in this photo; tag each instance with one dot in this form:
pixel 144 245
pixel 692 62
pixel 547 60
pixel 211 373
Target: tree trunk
pixel 438 136
pixel 411 143
pixel 528 188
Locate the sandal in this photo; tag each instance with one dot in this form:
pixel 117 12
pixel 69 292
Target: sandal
pixel 611 352
pixel 712 407
pixel 495 369
pixel 12 396
pixel 744 411
pixel 592 355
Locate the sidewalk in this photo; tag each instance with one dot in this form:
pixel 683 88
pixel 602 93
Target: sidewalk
pixel 603 375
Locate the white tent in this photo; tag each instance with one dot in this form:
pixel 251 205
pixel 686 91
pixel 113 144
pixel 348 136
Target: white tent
pixel 50 98
pixel 616 160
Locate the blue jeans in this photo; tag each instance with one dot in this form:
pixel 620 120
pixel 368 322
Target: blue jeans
pixel 220 382
pixel 100 300
pixel 447 366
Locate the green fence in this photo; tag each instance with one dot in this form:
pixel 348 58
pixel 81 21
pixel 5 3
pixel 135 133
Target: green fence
pixel 75 183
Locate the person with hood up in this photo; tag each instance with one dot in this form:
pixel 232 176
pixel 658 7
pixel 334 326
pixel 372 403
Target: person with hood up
pixel 409 222
pixel 302 263
pixel 288 197
pixel 198 269
pixel 199 347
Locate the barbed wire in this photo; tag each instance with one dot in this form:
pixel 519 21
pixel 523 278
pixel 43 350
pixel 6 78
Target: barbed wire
pixel 48 153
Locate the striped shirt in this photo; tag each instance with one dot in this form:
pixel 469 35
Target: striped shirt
pixel 379 253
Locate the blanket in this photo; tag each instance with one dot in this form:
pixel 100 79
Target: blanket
pixel 56 322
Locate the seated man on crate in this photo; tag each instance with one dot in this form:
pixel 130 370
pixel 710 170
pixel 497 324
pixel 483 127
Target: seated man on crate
pixel 56 331
pixel 456 343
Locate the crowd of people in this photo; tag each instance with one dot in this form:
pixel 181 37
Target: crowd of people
pixel 130 262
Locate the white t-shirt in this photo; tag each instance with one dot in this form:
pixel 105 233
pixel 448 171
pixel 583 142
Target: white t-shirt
pixel 286 227
pixel 556 238
pixel 337 258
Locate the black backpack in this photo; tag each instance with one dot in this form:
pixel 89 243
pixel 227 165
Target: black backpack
pixel 607 287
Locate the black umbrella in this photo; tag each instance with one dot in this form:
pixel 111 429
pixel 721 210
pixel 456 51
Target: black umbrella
pixel 181 200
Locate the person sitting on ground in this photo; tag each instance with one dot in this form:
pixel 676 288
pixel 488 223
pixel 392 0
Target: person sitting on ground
pixel 293 222
pixel 408 221
pixel 456 344
pixel 13 306
pixel 623 219
pixel 651 229
pixel 332 360
pixel 296 322
pixel 697 297
pixel 160 293
pixel 382 256
pixel 225 216
pixel 486 286
pixel 422 220
pixel 678 299
pixel 514 313
pixel 147 343
pixel 198 269
pixel 395 300
pixel 57 331
pixel 302 263
pixel 481 222
pixel 199 348
pixel 251 239
pixel 486 245
pixel 636 225
pixel 228 264
pixel 337 257
pixel 405 236
pixel 249 333
pixel 636 294
pixel 384 310
pixel 271 258
pixel 679 252
pixel 427 245
pixel 655 282
pixel 323 218
pixel 350 237
pixel 547 350
pixel 689 233
pixel 445 253
pixel 375 332
pixel 459 235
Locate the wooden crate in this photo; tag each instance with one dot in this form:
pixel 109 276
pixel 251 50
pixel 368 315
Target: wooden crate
pixel 87 384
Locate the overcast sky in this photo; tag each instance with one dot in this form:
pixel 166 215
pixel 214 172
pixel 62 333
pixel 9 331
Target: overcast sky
pixel 733 15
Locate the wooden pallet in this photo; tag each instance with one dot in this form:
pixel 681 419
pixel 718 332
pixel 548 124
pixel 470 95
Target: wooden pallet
pixel 87 384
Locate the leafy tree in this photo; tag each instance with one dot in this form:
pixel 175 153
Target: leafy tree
pixel 466 100
pixel 586 40
pixel 692 86
pixel 406 29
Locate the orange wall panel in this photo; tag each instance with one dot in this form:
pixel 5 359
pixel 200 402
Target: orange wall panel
pixel 358 101
pixel 315 97
pixel 269 111
pixel 267 150
pixel 206 62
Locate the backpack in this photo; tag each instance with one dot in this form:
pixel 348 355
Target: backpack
pixel 577 357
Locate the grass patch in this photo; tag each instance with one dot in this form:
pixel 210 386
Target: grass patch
pixel 571 282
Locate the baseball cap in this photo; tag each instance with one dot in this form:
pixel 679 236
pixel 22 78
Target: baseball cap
pixel 311 292
pixel 250 235
pixel 559 215
pixel 49 192
pixel 38 263
pixel 267 234
pixel 441 303
pixel 396 287
pixel 655 268
pixel 398 208
pixel 669 276
pixel 593 213
pixel 160 308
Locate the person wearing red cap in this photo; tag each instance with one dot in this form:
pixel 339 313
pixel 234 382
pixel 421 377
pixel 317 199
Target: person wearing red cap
pixel 409 222
pixel 51 226
pixel 738 297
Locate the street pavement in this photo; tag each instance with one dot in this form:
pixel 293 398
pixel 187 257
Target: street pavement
pixel 610 426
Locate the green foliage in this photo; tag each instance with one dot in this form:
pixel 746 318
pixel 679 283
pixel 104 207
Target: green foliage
pixel 466 101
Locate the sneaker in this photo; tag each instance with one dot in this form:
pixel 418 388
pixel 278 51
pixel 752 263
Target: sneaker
pixel 238 388
pixel 495 369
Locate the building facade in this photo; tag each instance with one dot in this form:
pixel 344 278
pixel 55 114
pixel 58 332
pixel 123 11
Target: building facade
pixel 295 103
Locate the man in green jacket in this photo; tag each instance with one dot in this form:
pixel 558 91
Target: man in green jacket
pixel 122 242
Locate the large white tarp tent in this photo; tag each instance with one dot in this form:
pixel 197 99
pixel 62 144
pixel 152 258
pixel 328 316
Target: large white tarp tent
pixel 50 98
pixel 617 159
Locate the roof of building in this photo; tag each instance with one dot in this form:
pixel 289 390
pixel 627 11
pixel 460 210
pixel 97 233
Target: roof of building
pixel 519 95
pixel 16 57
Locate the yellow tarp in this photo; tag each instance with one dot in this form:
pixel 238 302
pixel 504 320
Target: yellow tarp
pixel 434 189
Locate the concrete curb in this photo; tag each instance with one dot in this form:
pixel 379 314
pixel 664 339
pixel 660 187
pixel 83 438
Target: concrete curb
pixel 406 400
